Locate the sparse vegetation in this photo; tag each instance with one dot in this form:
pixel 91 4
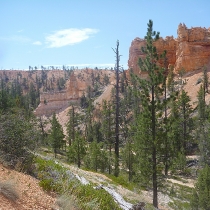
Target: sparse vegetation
pixel 8 190
pixel 57 178
pixel 67 202
pixel 141 135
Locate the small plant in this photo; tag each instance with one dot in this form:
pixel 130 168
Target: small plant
pixel 199 81
pixel 66 202
pixel 7 189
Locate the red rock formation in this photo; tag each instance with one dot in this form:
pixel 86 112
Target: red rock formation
pixel 193 48
pixel 56 101
pixel 168 44
pixel 134 54
pixel 190 51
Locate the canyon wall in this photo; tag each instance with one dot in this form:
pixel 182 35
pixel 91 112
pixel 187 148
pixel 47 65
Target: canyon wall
pixel 57 101
pixel 189 51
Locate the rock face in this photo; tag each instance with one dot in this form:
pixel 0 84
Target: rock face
pixel 56 101
pixel 135 53
pixel 75 87
pixel 193 48
pixel 190 51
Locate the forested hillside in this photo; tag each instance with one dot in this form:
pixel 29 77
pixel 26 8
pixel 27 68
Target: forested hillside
pixel 147 134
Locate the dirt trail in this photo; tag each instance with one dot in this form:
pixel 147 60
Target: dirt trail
pixel 189 183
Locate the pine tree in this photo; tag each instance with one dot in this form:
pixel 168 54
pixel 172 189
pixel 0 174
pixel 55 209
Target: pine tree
pixel 203 128
pixel 117 106
pixel 77 150
pixel 42 125
pixel 205 80
pixel 128 157
pixel 148 138
pixel 107 123
pixel 18 136
pixel 71 125
pixel 201 194
pixel 185 120
pixel 88 121
pixel 56 135
pixel 96 157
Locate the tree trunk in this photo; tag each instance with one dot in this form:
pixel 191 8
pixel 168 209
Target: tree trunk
pixel 154 161
pixel 116 173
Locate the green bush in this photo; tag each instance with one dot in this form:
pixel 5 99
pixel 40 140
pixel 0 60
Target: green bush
pixel 57 178
pixel 18 137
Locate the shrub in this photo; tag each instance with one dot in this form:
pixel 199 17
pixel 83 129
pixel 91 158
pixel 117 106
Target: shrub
pixel 66 202
pixel 7 189
pixel 18 136
pixel 57 178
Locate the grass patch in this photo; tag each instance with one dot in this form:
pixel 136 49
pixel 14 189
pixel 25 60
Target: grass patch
pixel 178 178
pixel 123 181
pixel 55 177
pixel 180 196
pixel 179 204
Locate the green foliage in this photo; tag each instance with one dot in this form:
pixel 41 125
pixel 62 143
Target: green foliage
pixel 106 79
pixel 18 137
pixel 61 83
pixel 205 80
pixel 50 174
pixel 87 195
pixel 77 150
pixel 96 157
pixel 55 177
pixel 179 163
pixel 72 124
pixel 56 135
pixel 203 128
pixel 122 179
pixel 128 158
pixel 47 184
pixel 201 194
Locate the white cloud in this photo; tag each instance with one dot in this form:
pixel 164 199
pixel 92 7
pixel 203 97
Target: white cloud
pixel 16 38
pixel 69 37
pixel 37 43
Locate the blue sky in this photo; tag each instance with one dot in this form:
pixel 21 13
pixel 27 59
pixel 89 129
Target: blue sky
pixel 83 32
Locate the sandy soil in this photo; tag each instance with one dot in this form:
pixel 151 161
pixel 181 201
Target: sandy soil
pixel 31 195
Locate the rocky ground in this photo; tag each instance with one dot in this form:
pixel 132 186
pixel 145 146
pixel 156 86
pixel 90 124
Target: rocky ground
pixel 30 194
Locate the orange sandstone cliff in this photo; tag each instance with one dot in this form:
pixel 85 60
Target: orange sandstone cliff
pixel 56 101
pixel 190 51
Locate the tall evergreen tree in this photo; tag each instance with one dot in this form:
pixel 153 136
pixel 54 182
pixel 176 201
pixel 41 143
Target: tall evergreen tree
pixel 201 194
pixel 18 137
pixel 107 123
pixel 77 150
pixel 117 106
pixel 96 157
pixel 56 135
pixel 203 128
pixel 185 121
pixel 71 125
pixel 205 80
pixel 148 137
